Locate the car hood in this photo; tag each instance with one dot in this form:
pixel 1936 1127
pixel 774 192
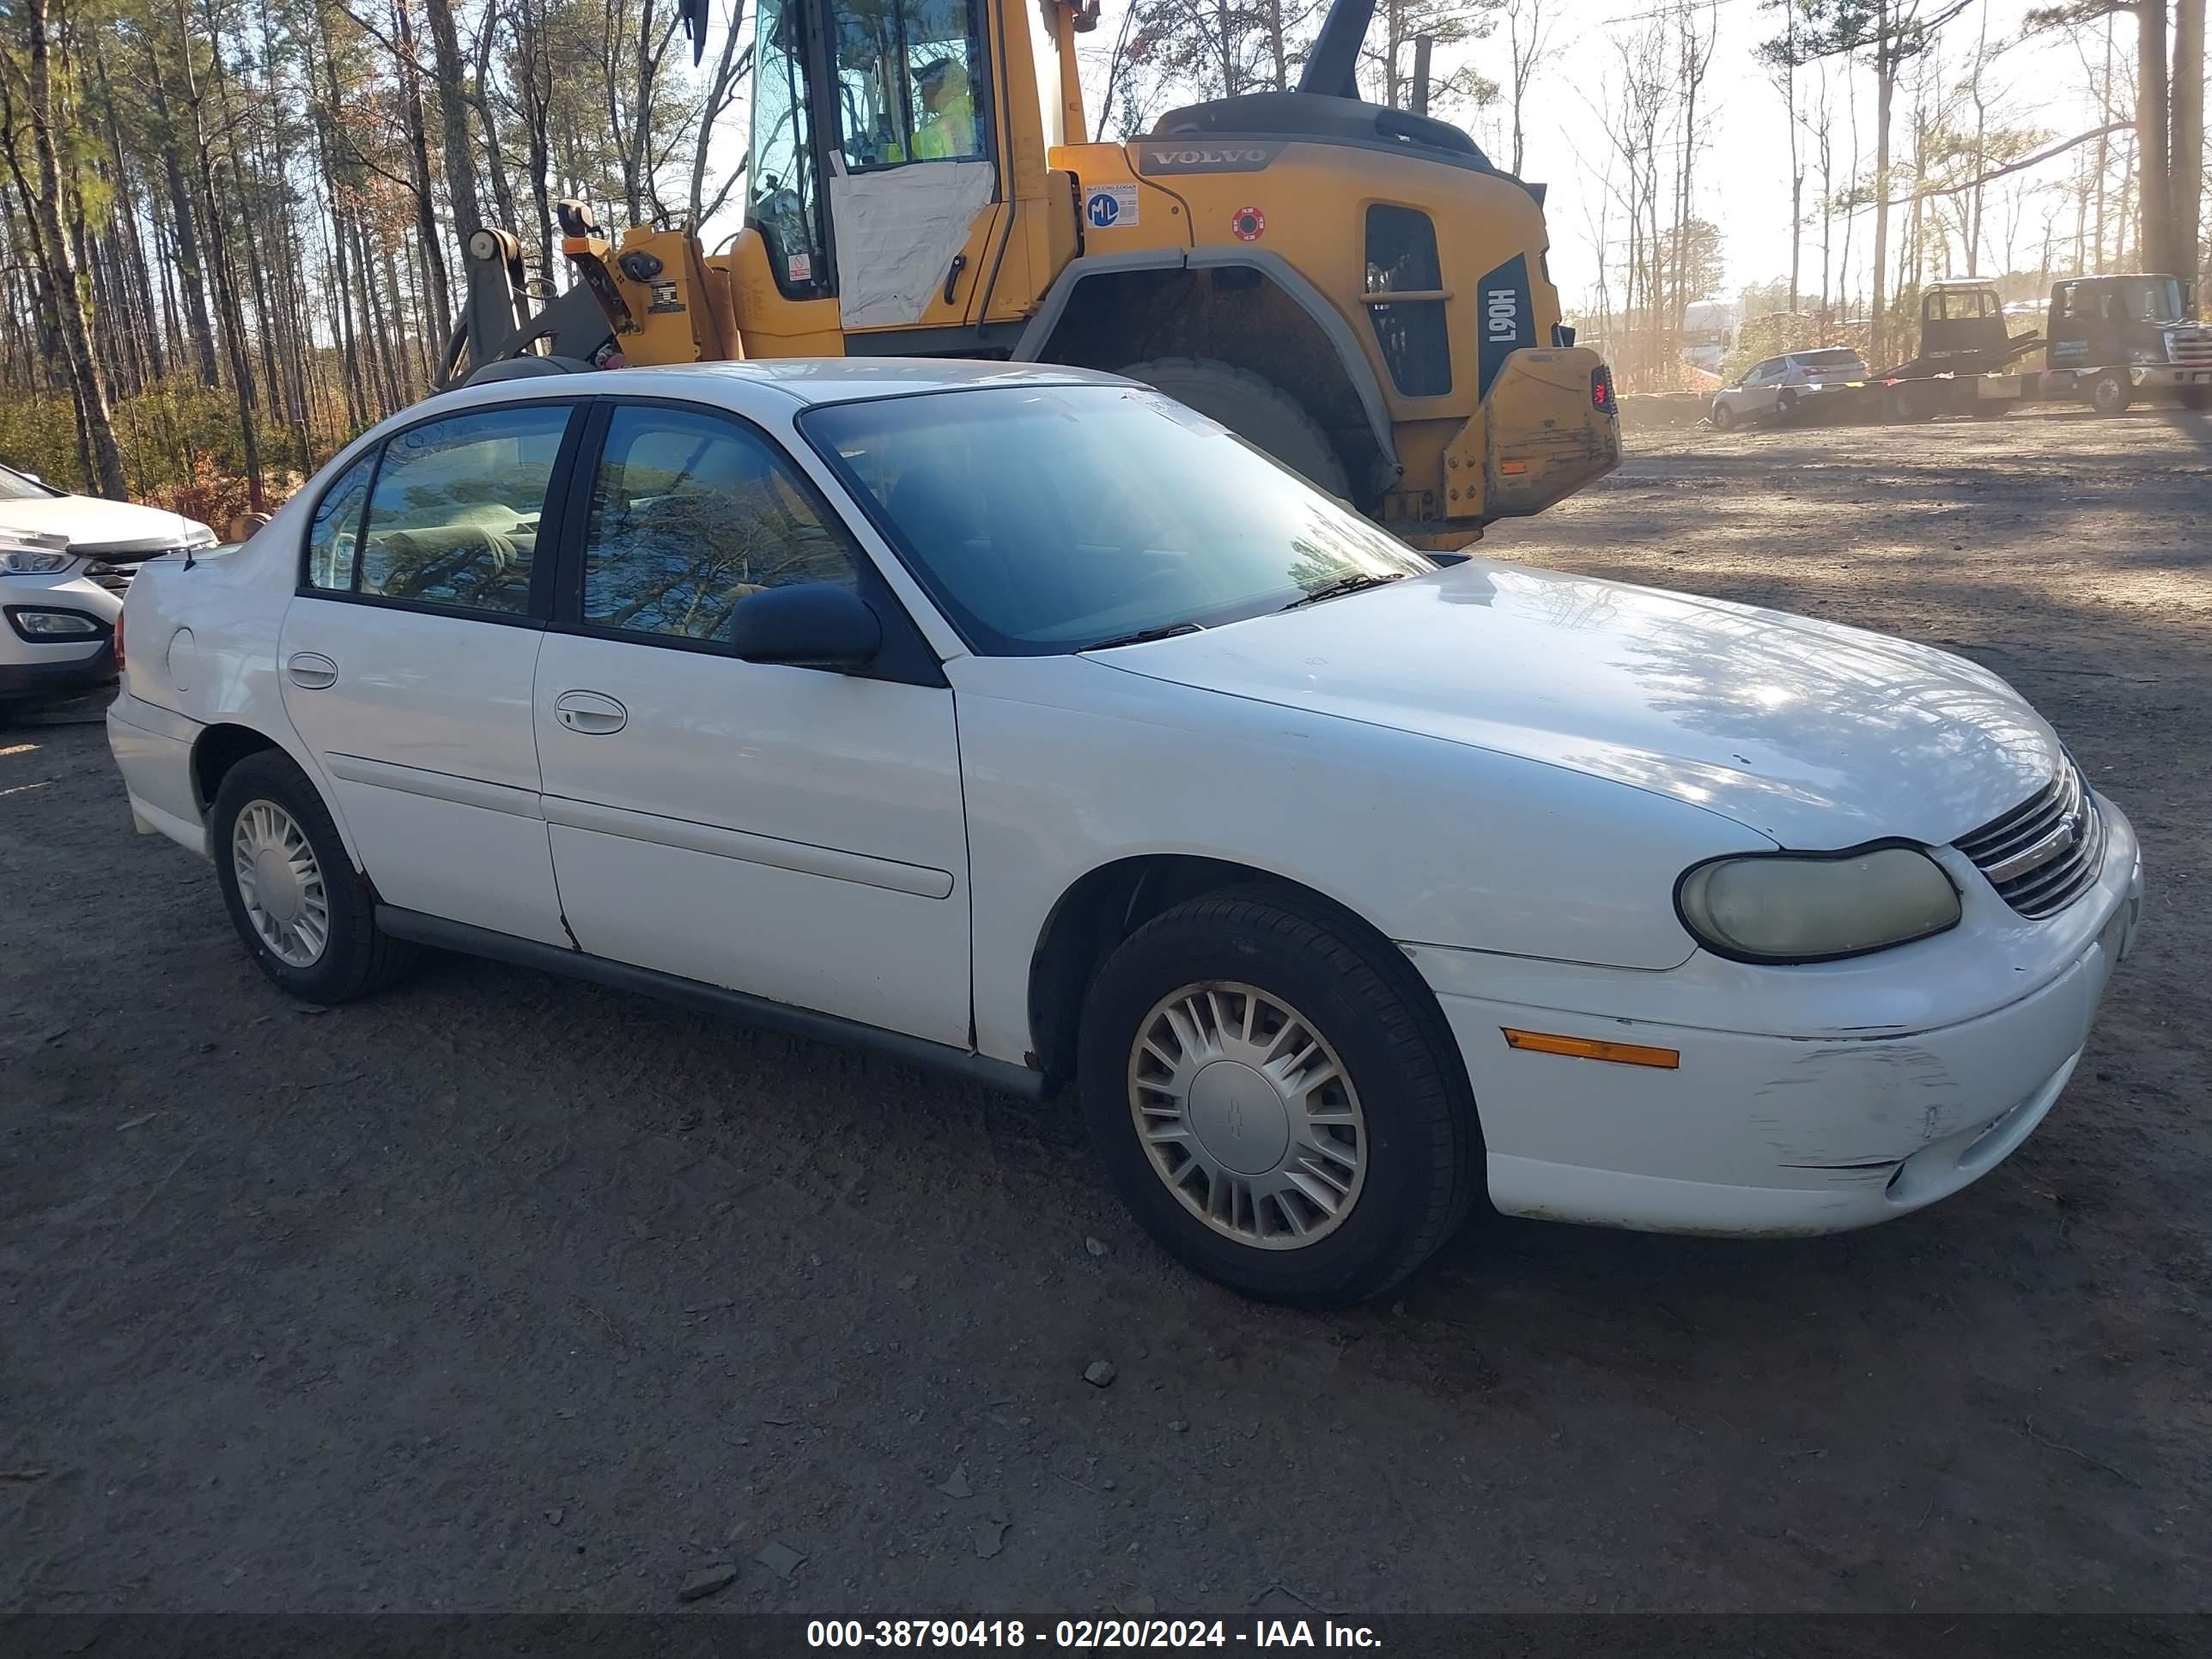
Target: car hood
pixel 1817 735
pixel 102 528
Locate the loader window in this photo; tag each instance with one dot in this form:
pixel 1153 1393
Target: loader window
pixel 781 198
pixel 1402 258
pixel 691 514
pixel 909 82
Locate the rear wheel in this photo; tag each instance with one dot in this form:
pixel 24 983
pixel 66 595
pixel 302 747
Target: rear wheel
pixel 1276 1099
pixel 301 908
pixel 1908 403
pixel 1256 410
pixel 2111 393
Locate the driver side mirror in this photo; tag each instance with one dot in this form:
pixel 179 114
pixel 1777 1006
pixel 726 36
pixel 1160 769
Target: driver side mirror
pixel 806 625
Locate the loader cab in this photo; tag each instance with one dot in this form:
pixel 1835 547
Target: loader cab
pixel 853 190
pixel 2100 322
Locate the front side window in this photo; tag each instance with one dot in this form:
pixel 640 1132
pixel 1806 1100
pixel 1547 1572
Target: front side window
pixel 691 512
pixel 909 85
pixel 453 516
pixel 2150 299
pixel 1049 520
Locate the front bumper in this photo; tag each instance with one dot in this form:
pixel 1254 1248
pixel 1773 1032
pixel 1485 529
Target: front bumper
pixel 2168 377
pixel 1763 1135
pixel 58 674
pixel 51 665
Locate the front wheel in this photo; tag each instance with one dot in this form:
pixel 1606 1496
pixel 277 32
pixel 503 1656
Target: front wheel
pixel 301 908
pixel 2111 393
pixel 1277 1100
pixel 1723 416
pixel 1256 410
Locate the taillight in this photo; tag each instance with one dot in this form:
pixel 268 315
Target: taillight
pixel 1601 388
pixel 120 616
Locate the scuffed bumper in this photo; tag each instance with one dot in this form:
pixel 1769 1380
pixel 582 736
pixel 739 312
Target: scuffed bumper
pixel 152 748
pixel 1756 1134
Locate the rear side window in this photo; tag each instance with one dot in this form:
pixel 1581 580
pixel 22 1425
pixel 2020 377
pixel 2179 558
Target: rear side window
pixel 1402 258
pixel 334 535
pixel 453 514
pixel 690 514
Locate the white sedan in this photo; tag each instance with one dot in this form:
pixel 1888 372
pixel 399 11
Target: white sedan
pixel 1023 723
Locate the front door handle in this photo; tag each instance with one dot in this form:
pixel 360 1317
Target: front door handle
pixel 593 713
pixel 311 671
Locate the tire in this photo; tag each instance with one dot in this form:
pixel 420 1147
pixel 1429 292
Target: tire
pixel 2196 397
pixel 2110 394
pixel 1405 1167
pixel 354 958
pixel 1723 417
pixel 1256 410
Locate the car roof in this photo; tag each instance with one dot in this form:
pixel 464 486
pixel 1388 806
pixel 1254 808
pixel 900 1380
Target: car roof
pixel 805 379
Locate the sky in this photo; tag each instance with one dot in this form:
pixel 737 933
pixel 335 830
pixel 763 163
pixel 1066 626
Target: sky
pixel 1742 168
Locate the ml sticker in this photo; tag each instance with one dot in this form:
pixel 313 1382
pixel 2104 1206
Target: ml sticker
pixel 1110 207
pixel 1248 224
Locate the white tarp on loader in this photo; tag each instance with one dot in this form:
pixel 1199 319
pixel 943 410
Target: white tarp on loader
pixel 897 232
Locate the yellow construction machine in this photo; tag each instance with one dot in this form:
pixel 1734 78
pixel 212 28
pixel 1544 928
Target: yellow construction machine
pixel 1359 290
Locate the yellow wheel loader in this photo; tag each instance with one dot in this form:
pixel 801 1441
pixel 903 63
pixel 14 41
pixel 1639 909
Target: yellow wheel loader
pixel 1358 290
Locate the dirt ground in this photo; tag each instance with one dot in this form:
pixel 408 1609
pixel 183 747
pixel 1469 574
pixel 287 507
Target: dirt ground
pixel 502 1293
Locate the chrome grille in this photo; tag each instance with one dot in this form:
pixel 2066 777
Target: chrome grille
pixel 2192 346
pixel 2043 855
pixel 115 578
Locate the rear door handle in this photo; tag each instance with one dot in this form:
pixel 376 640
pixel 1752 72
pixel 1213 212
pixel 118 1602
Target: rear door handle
pixel 593 713
pixel 311 671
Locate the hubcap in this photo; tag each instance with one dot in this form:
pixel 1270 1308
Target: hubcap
pixel 1248 1115
pixel 280 884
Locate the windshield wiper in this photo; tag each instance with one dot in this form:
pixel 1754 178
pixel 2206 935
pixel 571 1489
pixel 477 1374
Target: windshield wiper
pixel 1357 582
pixel 1145 635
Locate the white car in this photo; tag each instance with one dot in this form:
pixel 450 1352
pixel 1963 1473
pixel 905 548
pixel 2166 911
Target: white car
pixel 1771 390
pixel 1021 722
pixel 122 534
pixel 57 621
pixel 66 562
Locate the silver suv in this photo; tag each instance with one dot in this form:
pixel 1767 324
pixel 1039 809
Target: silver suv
pixel 1767 391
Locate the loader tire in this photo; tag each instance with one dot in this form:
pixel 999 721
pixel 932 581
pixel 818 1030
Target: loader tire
pixel 1256 410
pixel 2110 394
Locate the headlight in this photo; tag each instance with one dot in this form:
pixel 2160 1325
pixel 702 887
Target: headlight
pixel 29 561
pixel 1791 908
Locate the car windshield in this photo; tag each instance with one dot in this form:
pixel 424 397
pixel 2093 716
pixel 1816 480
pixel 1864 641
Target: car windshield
pixel 14 487
pixel 1832 360
pixel 1048 519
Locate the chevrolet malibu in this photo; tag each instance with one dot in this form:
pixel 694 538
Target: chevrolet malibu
pixel 1023 723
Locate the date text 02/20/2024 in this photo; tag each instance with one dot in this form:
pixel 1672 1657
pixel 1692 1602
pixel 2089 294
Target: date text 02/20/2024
pixel 1085 1633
